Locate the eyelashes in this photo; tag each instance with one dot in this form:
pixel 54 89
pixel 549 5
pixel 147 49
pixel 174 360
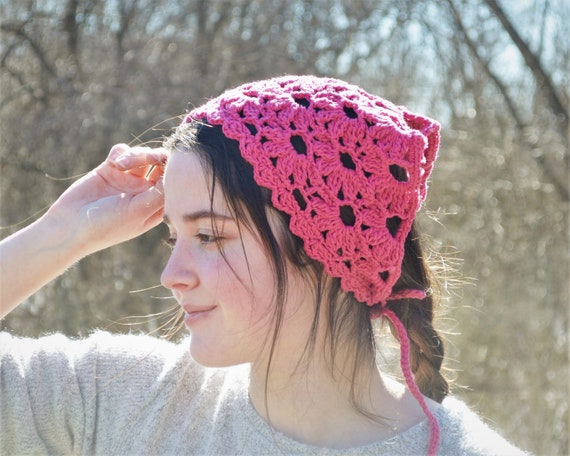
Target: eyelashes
pixel 206 239
pixel 202 238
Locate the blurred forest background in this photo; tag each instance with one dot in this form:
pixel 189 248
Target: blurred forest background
pixel 78 76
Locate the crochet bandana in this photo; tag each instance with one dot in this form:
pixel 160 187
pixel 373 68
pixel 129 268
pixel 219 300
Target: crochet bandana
pixel 348 167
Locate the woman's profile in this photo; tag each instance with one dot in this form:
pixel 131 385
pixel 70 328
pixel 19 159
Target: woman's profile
pixel 290 204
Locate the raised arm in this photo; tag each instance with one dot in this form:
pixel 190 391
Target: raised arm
pixel 119 200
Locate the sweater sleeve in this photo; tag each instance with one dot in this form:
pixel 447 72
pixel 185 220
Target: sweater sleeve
pixel 55 393
pixel 41 401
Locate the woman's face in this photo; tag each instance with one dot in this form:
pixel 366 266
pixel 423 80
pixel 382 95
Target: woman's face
pixel 227 294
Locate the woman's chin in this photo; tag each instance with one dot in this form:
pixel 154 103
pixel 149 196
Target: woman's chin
pixel 208 354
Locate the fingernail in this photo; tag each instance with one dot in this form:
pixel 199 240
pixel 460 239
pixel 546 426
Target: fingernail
pixel 123 161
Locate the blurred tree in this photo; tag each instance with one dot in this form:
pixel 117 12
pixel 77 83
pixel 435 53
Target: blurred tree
pixel 77 77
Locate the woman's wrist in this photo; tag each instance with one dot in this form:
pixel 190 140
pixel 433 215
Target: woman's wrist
pixel 61 235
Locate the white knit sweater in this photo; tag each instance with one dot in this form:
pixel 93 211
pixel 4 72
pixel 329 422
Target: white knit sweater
pixel 135 395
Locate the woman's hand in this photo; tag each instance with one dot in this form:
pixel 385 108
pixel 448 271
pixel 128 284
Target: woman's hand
pixel 117 201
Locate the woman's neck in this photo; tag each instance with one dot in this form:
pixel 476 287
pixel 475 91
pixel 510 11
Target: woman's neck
pixel 311 405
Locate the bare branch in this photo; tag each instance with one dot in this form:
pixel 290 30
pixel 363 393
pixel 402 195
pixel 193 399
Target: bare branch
pixel 533 62
pixel 553 174
pixel 71 28
pixel 18 30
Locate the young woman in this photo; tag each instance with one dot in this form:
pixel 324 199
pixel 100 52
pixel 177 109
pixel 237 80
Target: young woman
pixel 290 204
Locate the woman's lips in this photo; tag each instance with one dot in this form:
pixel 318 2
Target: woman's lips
pixel 194 315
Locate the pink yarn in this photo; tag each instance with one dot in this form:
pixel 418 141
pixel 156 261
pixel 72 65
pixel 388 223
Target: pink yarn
pixel 408 376
pixel 351 171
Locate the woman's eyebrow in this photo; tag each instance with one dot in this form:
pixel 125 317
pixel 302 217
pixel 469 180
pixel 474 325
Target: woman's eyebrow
pixel 198 215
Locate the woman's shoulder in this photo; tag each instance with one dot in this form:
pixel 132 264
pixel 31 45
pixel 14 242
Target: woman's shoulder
pixel 464 432
pixel 118 362
pixel 97 343
pixel 102 354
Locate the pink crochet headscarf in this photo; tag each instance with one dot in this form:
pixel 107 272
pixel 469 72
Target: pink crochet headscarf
pixel 349 168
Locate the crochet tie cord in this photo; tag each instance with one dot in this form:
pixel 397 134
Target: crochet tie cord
pixel 350 169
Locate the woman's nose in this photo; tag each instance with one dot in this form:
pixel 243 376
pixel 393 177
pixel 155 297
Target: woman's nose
pixel 179 273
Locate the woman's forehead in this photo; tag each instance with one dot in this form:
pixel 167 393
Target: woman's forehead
pixel 188 186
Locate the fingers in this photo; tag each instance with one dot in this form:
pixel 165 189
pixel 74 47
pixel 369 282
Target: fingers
pixel 155 173
pixel 138 161
pixel 154 220
pixel 116 151
pixel 150 202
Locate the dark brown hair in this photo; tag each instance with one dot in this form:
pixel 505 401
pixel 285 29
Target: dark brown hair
pixel 349 327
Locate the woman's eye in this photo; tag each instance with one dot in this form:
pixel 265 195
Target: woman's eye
pixel 207 238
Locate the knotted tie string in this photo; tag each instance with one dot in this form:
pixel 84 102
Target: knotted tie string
pixel 379 311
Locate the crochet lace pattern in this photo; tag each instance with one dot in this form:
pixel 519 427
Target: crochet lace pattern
pixel 349 168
